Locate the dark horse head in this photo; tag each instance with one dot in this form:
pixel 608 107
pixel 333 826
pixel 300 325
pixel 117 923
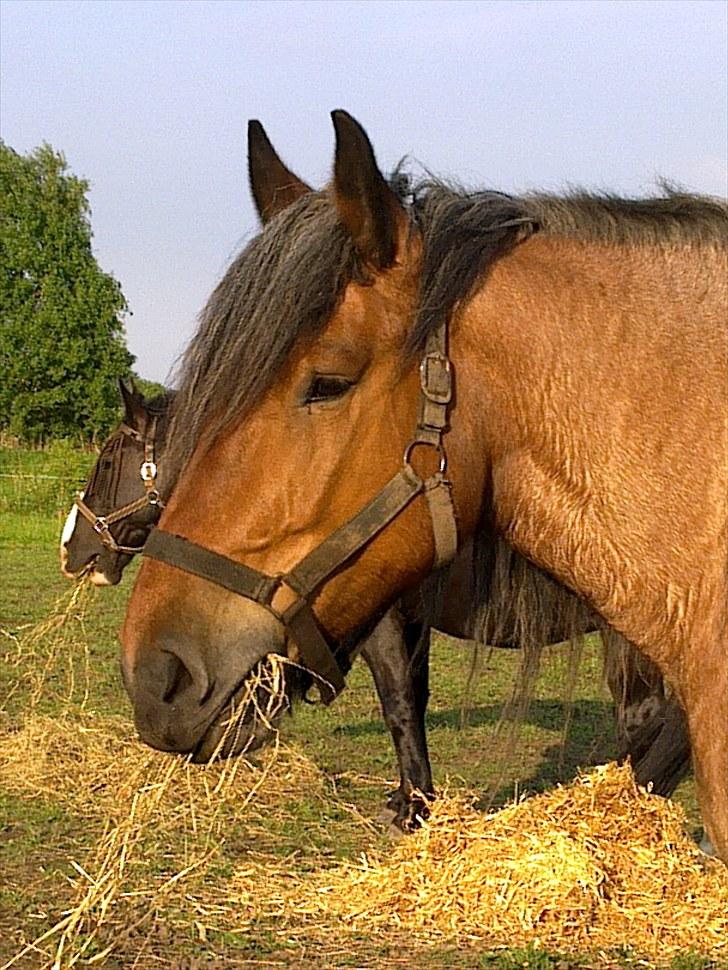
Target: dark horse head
pixel 116 484
pixel 94 539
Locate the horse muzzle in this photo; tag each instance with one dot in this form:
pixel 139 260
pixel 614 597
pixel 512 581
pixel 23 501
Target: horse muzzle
pixel 189 697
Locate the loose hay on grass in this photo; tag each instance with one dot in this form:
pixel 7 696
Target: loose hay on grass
pixel 598 864
pixel 591 866
pixel 52 657
pixel 154 819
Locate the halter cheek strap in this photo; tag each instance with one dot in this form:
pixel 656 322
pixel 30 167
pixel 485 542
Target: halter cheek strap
pixel 435 399
pixel 325 559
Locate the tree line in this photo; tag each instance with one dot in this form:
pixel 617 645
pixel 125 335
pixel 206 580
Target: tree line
pixel 62 339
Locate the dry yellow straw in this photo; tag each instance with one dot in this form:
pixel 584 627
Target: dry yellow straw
pixel 139 801
pixel 53 645
pixel 597 864
pixel 590 866
pixel 587 867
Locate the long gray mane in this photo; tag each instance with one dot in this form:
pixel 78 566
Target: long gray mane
pixel 675 217
pixel 285 285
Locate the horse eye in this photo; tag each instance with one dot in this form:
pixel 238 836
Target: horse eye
pixel 325 388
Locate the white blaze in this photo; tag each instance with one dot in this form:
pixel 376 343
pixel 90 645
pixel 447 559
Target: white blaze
pixel 70 523
pixel 68 527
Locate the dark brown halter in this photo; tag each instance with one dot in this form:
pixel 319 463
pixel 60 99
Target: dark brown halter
pixel 323 561
pixel 148 473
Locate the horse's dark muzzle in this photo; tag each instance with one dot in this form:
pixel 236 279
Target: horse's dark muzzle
pixel 179 693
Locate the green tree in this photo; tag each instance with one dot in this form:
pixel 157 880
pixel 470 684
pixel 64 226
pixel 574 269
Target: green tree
pixel 62 341
pixel 149 389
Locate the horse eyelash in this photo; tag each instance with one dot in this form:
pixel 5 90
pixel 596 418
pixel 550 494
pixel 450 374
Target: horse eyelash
pixel 341 383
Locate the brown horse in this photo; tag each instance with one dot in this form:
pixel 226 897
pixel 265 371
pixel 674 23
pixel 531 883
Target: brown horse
pixel 117 516
pixel 586 428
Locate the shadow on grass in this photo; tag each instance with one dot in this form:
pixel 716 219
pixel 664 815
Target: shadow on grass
pixel 546 714
pixel 590 741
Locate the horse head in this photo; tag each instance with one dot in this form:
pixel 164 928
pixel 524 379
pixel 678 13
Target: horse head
pixel 118 507
pixel 299 399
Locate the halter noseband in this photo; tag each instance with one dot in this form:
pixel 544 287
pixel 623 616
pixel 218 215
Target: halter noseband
pixel 322 562
pixel 148 473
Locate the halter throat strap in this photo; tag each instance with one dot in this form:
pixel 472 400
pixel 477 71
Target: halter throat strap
pixel 305 578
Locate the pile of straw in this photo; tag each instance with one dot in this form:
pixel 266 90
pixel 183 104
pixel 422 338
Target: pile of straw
pixel 170 846
pixel 597 864
pixel 155 825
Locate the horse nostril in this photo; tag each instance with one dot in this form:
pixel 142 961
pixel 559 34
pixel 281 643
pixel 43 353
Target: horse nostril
pixel 180 675
pixel 179 679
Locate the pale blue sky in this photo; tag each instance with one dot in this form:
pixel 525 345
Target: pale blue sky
pixel 149 101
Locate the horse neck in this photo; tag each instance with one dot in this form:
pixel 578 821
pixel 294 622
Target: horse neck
pixel 592 375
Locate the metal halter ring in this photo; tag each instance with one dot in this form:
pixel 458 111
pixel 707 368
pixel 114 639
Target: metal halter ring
pixel 148 471
pixel 426 444
pixel 100 525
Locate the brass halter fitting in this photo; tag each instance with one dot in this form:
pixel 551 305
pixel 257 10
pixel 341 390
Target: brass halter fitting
pixel 148 472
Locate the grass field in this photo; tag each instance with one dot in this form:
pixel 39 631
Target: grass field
pixel 202 879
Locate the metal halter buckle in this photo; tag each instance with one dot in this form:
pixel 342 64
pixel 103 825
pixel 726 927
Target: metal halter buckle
pixel 148 471
pixel 100 526
pixel 436 378
pixel 442 468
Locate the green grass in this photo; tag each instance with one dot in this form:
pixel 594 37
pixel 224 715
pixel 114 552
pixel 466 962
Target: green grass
pixel 42 481
pixel 348 741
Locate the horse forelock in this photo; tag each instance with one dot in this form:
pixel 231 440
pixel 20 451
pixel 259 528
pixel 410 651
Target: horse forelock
pixel 283 286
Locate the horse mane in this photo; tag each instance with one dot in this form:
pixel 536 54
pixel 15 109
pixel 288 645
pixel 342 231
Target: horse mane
pixel 675 217
pixel 287 282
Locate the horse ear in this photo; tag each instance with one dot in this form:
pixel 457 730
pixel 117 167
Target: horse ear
pixel 135 411
pixel 367 205
pixel 126 391
pixel 274 187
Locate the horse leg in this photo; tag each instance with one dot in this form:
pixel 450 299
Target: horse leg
pixel 638 693
pixel 666 761
pixel 704 690
pixel 401 672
